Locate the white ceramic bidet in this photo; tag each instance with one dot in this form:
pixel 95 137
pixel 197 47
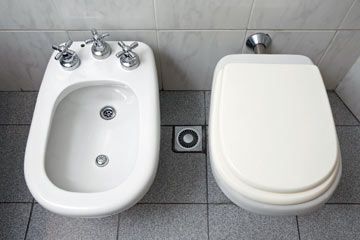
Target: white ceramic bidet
pixel 94 140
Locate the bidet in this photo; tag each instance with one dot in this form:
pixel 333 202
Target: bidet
pixel 93 145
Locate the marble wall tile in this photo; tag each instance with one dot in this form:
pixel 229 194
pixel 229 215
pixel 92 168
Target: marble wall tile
pixel 352 20
pixel 147 36
pixel 298 14
pixel 349 89
pixel 341 55
pixel 29 14
pixel 109 14
pixel 188 58
pixel 202 14
pixel 77 14
pixel 312 44
pixel 24 57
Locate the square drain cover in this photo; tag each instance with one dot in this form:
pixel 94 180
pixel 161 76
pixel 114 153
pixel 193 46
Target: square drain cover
pixel 188 139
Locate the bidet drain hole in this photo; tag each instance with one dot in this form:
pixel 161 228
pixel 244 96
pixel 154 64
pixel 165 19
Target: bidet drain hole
pixel 107 113
pixel 188 138
pixel 102 160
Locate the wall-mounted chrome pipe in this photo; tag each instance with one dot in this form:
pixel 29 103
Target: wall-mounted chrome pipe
pixel 258 42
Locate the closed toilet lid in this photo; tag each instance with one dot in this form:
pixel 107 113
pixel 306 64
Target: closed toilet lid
pixel 274 126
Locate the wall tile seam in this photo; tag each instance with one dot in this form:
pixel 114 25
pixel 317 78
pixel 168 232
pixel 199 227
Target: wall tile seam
pixel 185 29
pixel 346 15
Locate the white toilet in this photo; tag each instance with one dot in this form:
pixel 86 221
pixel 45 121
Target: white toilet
pixel 272 138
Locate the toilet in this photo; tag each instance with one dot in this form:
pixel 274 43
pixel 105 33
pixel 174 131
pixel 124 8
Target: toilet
pixel 272 139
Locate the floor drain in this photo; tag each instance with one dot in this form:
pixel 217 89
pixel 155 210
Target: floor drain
pixel 102 160
pixel 188 139
pixel 107 113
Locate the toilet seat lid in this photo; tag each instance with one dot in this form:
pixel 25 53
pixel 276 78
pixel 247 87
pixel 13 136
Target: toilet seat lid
pixel 275 126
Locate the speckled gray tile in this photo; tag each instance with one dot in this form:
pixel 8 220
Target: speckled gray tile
pixel 163 221
pixel 227 221
pixel 181 177
pixel 12 147
pixel 182 107
pixel 17 107
pixel 348 190
pixel 13 220
pixel 342 115
pixel 45 225
pixel 331 222
pixel 207 106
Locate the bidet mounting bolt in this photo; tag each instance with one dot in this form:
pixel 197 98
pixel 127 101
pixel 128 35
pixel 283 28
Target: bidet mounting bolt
pixel 258 42
pixel 128 59
pixel 68 58
pixel 100 49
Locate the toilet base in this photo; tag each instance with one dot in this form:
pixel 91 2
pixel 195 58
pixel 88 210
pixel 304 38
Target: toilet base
pixel 278 210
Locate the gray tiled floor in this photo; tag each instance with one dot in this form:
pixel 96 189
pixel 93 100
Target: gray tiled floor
pixel 181 177
pixel 45 225
pixel 184 201
pixel 227 221
pixel 17 107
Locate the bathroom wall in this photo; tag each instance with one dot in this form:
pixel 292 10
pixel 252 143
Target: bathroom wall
pixel 349 89
pixel 188 36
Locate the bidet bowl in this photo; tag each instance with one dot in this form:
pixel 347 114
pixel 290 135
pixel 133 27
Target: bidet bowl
pixel 93 145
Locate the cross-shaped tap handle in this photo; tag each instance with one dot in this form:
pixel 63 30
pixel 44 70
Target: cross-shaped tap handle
pixel 63 49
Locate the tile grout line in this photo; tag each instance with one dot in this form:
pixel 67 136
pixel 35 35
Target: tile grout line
pixel 346 15
pixel 327 49
pixel 298 227
pixel 118 227
pixel 205 136
pixel 28 224
pixel 251 14
pixel 358 121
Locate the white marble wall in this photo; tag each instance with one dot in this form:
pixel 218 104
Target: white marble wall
pixel 349 89
pixel 188 36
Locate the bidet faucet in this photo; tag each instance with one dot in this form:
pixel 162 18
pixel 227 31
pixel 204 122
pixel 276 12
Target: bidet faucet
pixel 128 59
pixel 100 49
pixel 68 58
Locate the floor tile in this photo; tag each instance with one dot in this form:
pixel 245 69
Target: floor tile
pixel 181 177
pixel 207 105
pixel 331 222
pixel 215 195
pixel 348 190
pixel 182 107
pixel 342 115
pixel 17 107
pixel 12 148
pixel 164 221
pixel 47 225
pixel 13 220
pixel 227 221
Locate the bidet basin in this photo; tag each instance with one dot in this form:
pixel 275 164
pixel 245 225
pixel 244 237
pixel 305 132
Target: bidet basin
pixel 93 145
pixel 79 134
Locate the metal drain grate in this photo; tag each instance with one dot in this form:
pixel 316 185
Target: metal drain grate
pixel 102 160
pixel 188 139
pixel 107 113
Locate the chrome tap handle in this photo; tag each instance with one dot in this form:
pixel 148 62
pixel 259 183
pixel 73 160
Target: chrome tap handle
pixel 126 48
pixel 96 37
pixel 63 49
pixel 128 59
pixel 68 58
